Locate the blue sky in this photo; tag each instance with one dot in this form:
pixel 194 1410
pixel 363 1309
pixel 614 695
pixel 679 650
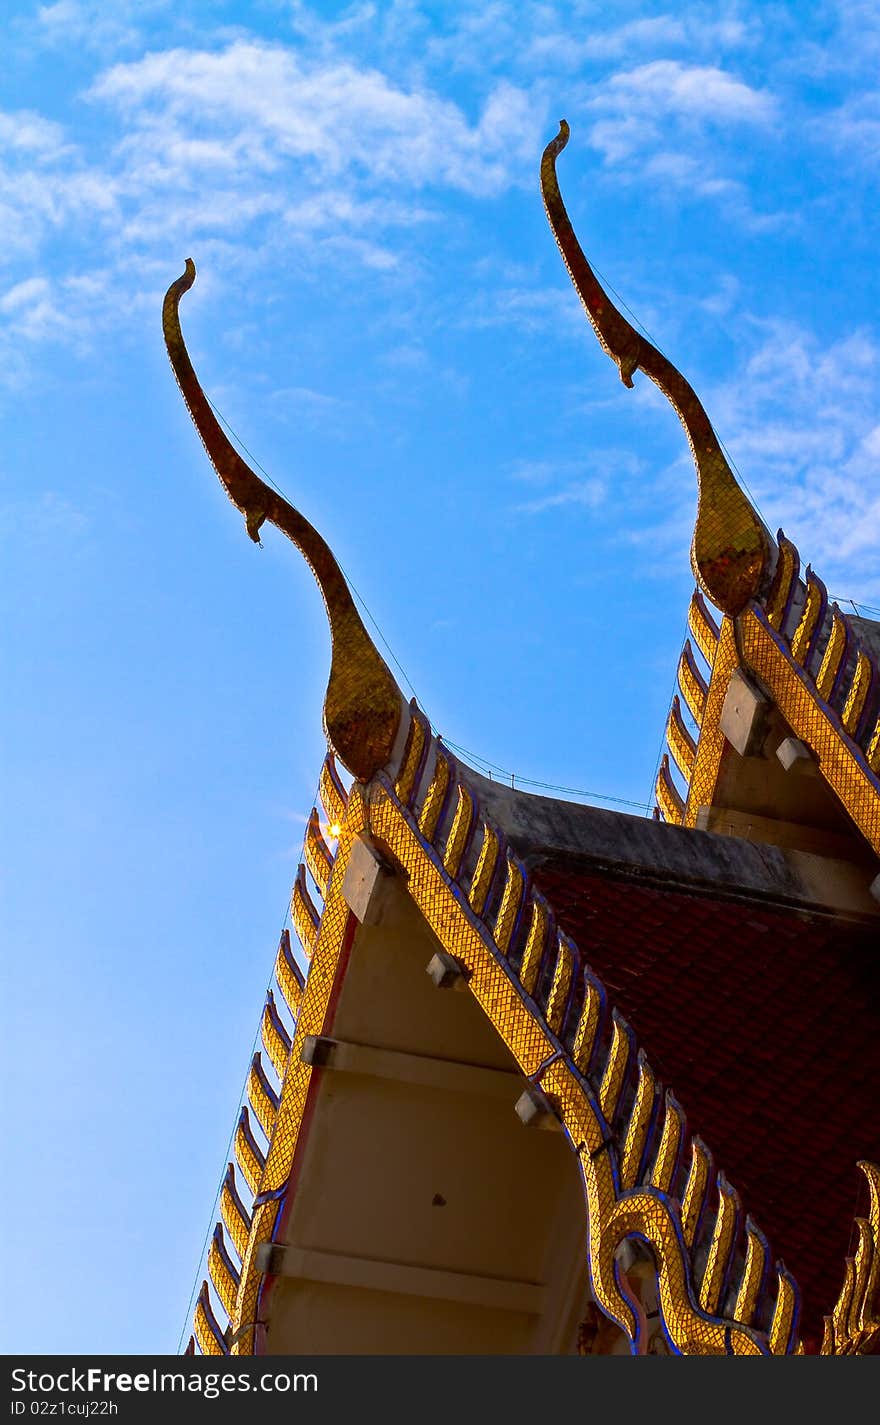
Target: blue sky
pixel 383 318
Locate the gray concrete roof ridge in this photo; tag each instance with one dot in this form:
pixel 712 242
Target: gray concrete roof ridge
pixel 542 829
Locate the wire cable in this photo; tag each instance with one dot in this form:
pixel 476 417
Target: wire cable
pixel 201 1270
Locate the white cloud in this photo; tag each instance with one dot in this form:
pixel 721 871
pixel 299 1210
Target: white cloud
pixel 561 484
pixel 531 309
pixel 801 421
pixel 672 124
pixel 45 518
pixel 588 494
pixel 33 310
pixel 31 134
pixel 563 47
pixel 335 117
pixel 637 105
pixel 667 86
pixel 853 129
pixel 93 24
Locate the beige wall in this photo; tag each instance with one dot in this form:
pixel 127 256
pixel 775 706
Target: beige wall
pixel 426 1217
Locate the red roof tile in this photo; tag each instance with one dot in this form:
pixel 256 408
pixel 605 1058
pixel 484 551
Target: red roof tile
pixel 766 1024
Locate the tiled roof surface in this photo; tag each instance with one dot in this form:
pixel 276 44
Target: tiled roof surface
pixel 766 1024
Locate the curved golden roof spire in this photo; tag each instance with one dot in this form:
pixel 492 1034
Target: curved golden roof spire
pixel 362 706
pixel 731 548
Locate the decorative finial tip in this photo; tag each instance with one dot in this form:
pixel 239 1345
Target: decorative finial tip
pixel 179 286
pixel 557 144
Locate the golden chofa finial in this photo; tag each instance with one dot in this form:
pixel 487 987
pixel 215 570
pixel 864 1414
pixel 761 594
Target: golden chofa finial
pixel 731 548
pixel 363 705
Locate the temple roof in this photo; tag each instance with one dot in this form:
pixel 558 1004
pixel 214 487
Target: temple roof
pixel 766 1025
pixel 758 1004
pixel 735 939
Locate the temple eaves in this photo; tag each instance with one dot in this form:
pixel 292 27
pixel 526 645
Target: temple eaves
pixel 741 961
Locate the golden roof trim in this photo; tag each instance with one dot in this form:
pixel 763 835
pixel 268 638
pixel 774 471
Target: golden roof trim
pixel 690 1245
pixel 824 681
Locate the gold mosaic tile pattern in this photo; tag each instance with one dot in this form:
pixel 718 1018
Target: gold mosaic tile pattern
pixel 247 1152
pixel 317 855
pixel 679 741
pixel 261 1096
pixel 587 1033
pixel 833 657
pixel 787 568
pixel 587 1112
pixel 246 1230
pixel 559 989
pixel 828 712
pixel 872 755
pixel 710 747
pixel 682 746
pixel 511 901
pixel 535 946
pixel 720 1247
pixel 858 692
pixel 636 1138
pixel 235 1216
pixel 703 627
pixel 615 1068
pixel 814 607
pixel 416 742
pixel 692 683
pixel 459 832
pixel 310 1020
pixel 303 915
pixel 222 1271
pixel 459 932
pixel 485 869
pixel 853 1328
pixel 276 1040
pixel 669 800
pixel 333 795
pixel 206 1326
pixel 670 1145
pixel 288 976
pixel 673 1230
pixel 435 796
pixel 650 1216
pixel 843 768
pixel 784 1316
pixel 753 1273
pixel 694 1197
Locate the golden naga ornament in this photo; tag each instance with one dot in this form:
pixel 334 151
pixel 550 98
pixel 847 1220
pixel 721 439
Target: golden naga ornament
pixel 853 1328
pixel 731 549
pixel 363 705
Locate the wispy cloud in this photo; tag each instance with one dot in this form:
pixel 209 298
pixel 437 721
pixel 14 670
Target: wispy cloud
pixel 587 494
pixel 680 31
pixel 636 106
pixel 45 519
pixel 573 484
pixel 94 25
pixel 266 104
pixel 529 308
pixel 853 129
pixel 30 133
pixel 801 420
